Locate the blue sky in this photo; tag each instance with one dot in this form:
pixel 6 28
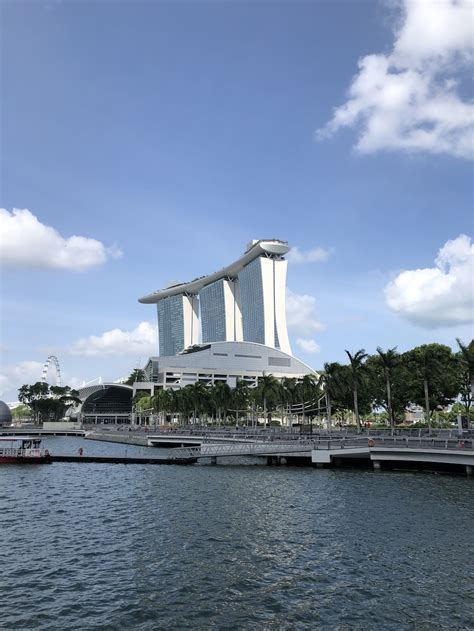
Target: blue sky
pixel 174 133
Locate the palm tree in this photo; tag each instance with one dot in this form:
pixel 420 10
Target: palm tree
pixel 329 382
pixel 220 395
pixel 267 391
pixel 288 394
pixel 357 371
pixel 240 398
pixel 161 401
pixel 389 360
pixel 198 395
pixel 307 391
pixel 428 366
pixel 467 360
pixel 143 404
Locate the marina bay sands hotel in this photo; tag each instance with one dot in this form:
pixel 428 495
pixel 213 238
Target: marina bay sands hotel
pixel 228 325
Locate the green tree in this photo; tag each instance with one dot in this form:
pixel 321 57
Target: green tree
pixel 137 374
pixel 48 402
pixel 400 393
pixel 307 393
pixel 435 377
pixel 389 361
pixel 220 397
pixel 288 394
pixel 330 383
pixel 358 371
pixel 198 396
pixel 240 396
pixel 266 394
pixel 466 360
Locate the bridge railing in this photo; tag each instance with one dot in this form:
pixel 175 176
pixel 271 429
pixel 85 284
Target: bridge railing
pixel 429 442
pixel 208 450
pixel 238 449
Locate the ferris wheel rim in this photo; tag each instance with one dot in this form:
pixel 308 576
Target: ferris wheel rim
pixel 47 363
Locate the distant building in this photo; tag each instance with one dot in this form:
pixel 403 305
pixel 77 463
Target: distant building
pixel 105 403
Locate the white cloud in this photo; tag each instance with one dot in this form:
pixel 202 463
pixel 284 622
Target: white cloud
pixel 143 340
pixel 26 242
pixel 308 345
pixel 408 99
pixel 301 314
pixel 316 255
pixel 441 295
pixel 15 376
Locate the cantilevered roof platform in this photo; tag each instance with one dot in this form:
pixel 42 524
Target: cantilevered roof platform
pixel 262 247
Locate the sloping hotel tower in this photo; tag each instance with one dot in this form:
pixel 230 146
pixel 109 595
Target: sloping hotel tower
pixel 244 302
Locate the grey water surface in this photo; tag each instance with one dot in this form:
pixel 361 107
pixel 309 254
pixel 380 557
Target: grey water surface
pixel 240 546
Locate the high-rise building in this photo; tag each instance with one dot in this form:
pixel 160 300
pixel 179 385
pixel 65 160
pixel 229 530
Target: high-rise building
pixel 221 317
pixel 244 302
pixel 178 323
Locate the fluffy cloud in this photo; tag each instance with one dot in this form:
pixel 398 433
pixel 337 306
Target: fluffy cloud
pixel 441 295
pixel 143 340
pixel 316 255
pixel 26 242
pixel 302 320
pixel 28 372
pixel 308 346
pixel 408 99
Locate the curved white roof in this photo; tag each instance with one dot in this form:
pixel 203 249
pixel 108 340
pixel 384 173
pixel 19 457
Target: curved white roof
pixel 273 247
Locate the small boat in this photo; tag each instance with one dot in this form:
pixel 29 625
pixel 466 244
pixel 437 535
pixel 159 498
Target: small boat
pixel 22 450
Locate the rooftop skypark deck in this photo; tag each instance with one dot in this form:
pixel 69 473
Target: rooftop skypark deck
pixel 272 248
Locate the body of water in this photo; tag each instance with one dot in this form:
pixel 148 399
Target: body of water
pixel 232 547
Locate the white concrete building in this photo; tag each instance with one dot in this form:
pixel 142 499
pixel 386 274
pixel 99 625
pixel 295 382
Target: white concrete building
pixel 244 302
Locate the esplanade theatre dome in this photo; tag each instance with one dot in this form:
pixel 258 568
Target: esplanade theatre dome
pixel 5 414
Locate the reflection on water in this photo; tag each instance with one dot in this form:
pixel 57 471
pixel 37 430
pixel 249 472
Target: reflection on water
pixel 243 547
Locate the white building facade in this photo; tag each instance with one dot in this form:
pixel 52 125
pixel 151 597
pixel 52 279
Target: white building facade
pixel 244 302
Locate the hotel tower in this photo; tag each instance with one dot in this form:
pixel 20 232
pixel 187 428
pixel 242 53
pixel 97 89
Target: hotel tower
pixel 244 302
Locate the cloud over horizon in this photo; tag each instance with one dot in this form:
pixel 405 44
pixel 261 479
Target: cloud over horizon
pixel 26 242
pixel 308 345
pixel 302 320
pixel 143 340
pixel 315 255
pixel 408 100
pixel 441 295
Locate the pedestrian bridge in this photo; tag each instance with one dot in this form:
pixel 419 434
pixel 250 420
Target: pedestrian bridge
pixel 207 450
pixel 429 450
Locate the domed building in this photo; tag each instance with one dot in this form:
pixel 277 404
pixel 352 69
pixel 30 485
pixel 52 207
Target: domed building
pixel 5 414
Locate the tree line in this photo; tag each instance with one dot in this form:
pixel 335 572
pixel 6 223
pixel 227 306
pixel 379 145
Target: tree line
pixel 432 376
pixel 47 403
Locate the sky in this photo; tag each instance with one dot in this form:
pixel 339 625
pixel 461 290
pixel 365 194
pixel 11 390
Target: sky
pixel 144 142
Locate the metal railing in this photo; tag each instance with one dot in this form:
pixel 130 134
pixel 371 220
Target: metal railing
pixel 239 449
pixel 208 450
pixel 396 442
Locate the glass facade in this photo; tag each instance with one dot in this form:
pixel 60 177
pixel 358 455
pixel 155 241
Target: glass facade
pixel 251 296
pixel 213 312
pixel 171 325
pixel 110 400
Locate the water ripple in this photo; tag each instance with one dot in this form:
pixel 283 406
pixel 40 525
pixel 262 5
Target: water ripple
pixel 235 547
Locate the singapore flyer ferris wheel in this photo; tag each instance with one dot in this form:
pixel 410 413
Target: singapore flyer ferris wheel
pixel 52 359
